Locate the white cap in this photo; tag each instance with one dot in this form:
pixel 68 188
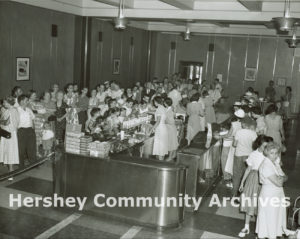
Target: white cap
pixel 237 103
pixel 240 113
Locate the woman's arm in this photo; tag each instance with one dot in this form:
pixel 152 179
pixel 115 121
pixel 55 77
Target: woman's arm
pixel 277 180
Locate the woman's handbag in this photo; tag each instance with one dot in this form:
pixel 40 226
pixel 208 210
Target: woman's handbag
pixel 5 134
pixel 294 216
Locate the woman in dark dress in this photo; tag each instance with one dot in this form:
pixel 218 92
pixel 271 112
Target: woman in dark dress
pixel 60 125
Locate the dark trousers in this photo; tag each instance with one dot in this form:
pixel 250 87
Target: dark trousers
pixel 27 145
pixel 82 118
pixel 239 168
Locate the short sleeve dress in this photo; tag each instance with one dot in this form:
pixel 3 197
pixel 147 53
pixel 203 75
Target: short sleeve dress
pixel 274 125
pixel 271 219
pixel 9 151
pixel 160 146
pixel 172 130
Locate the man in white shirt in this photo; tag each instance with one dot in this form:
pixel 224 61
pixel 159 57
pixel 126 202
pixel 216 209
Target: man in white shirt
pixel 26 133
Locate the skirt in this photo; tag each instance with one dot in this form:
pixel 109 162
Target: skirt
pixel 172 138
pixel 271 220
pixel 250 194
pixel 160 145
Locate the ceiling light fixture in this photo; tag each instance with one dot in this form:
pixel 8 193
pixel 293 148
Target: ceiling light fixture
pixel 294 41
pixel 286 23
pixel 187 34
pixel 120 21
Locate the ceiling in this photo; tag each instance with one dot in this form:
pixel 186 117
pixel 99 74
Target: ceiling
pixel 170 16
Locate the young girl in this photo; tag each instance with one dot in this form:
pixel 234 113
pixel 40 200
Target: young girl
pixel 93 102
pixel 271 219
pixel 172 130
pixel 91 124
pixel 47 138
pixel 243 141
pixel 228 150
pixel 250 183
pixel 260 120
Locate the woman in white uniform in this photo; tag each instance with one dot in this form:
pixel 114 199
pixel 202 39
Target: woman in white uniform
pixel 271 218
pixel 172 130
pixel 196 114
pixel 160 147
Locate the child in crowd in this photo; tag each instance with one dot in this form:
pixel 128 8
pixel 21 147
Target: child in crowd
pixel 93 102
pixel 243 141
pixel 47 138
pixel 91 124
pixel 256 114
pixel 227 156
pixel 122 115
pixel 250 187
pixel 237 106
pixel 105 107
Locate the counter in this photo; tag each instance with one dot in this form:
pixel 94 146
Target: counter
pixel 203 164
pixel 123 176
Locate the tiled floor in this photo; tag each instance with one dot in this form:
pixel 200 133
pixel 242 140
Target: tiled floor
pixel 40 222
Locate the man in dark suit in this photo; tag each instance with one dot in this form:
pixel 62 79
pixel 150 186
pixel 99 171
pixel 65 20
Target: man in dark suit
pixel 148 90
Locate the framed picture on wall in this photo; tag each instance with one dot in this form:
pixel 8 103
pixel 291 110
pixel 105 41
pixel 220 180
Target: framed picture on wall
pixel 281 81
pixel 116 66
pixel 250 74
pixel 23 68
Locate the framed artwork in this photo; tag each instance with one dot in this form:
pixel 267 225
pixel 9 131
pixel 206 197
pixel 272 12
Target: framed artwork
pixel 250 74
pixel 23 68
pixel 116 66
pixel 281 81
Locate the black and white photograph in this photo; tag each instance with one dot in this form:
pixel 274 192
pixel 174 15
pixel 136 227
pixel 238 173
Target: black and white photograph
pixel 116 66
pixel 23 73
pixel 149 119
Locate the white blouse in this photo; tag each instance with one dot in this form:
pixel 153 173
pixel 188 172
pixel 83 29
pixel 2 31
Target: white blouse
pixel 255 159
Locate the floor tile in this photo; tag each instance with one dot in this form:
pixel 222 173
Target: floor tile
pixel 33 185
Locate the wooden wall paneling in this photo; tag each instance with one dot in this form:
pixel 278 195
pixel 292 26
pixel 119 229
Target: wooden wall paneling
pixel 252 58
pixel 266 62
pixel 222 46
pixel 237 67
pixel 283 65
pixel 7 63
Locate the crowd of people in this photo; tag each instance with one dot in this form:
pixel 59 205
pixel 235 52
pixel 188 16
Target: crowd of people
pixel 100 112
pixel 251 160
pixel 253 144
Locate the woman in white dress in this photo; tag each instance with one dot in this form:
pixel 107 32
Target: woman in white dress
pixel 271 218
pixel 160 147
pixel 172 130
pixel 195 113
pixel 9 150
